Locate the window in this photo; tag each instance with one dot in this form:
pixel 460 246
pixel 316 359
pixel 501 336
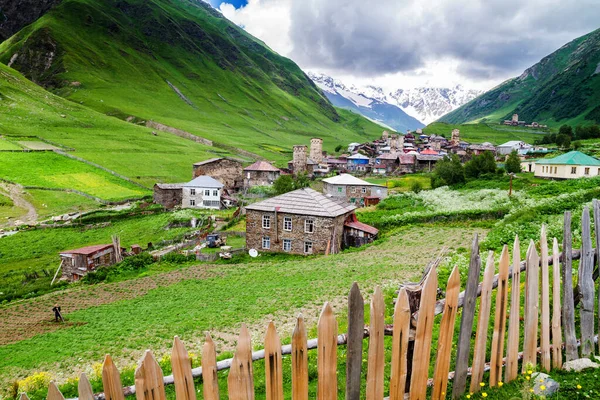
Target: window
pixel 364 190
pixel 215 193
pixel 96 260
pixel 192 202
pixel 586 171
pixel 266 242
pixel 212 203
pixel 287 223
pixel 207 192
pixel 308 247
pixel 339 189
pixel 353 190
pixel 352 200
pixel 287 245
pixel 193 192
pixel 555 169
pixel 266 222
pixel 309 226
pixel 573 170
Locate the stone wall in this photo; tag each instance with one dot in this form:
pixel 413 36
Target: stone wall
pixel 354 193
pixel 260 178
pixel 226 171
pixel 168 198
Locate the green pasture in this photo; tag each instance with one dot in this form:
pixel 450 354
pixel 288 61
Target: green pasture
pixel 486 132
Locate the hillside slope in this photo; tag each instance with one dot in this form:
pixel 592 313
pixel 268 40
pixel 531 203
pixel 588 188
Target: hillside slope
pixel 179 63
pixel 563 87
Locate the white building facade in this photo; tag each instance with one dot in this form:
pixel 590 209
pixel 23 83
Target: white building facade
pixel 202 192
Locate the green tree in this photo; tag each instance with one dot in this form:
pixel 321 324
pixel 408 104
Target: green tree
pixel 301 181
pixel 566 130
pixel 338 148
pixel 563 140
pixel 283 184
pixel 448 171
pixel 513 163
pixel 484 163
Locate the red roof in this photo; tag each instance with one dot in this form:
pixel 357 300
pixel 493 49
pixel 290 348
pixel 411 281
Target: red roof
pixel 407 159
pixel 88 250
pixel 429 152
pixel 362 227
pixel 261 166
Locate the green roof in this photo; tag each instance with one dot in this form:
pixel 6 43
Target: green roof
pixel 572 158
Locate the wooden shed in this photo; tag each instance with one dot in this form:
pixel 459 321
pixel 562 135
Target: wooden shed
pixel 77 263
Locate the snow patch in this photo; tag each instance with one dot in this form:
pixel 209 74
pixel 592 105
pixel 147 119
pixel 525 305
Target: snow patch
pixel 597 71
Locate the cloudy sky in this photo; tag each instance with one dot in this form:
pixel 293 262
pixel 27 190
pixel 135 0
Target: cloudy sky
pixel 408 43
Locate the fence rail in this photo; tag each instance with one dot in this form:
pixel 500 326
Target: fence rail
pixel 546 320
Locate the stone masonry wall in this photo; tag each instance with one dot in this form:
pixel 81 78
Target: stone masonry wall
pixel 228 172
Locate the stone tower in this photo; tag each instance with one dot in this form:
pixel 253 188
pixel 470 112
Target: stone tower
pixel 316 150
pixel 515 118
pixel 455 140
pixel 299 161
pixel 385 136
pixel 393 143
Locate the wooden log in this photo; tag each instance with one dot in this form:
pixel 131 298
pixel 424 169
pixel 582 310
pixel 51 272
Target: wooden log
pixel 354 349
pixel 466 322
pixel 300 361
pixel 149 379
pixel 273 367
pixel 327 355
pixel 400 346
pixel 556 331
pixel 210 385
pixel 568 304
pixel 545 331
pixel 500 319
pixel 182 372
pixel 422 352
pixel 531 308
pixel 586 286
pixel 54 393
pixel 84 388
pixel 483 323
pixel 444 351
pixel 23 396
pixel 111 380
pixel 376 357
pixel 240 382
pixel 514 323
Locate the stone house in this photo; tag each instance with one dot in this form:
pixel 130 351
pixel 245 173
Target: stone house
pixel 226 170
pixel 507 148
pixel 261 173
pixel 168 194
pixel 386 163
pixel 357 234
pixel 407 163
pixel 571 165
pixel 426 162
pixel 202 192
pixel 353 190
pixel 477 149
pixel 77 263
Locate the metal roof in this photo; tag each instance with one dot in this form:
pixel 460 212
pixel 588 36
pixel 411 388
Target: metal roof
pixel 169 185
pixel 347 179
pixel 304 202
pixel 204 181
pixel 572 158
pixel 358 156
pixel 262 166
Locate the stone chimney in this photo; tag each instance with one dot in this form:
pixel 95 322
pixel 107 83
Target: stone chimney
pixel 316 150
pixel 299 161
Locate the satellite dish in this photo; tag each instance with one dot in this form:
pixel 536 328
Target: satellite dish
pixel 253 253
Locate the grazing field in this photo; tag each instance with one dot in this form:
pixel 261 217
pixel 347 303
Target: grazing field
pixel 8 145
pixel 478 133
pixel 8 209
pixel 49 203
pixel 404 183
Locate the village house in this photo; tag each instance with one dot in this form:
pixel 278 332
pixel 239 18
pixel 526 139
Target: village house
pixel 202 192
pixel 358 163
pixel 261 173
pixel 507 148
pixel 514 121
pixel 77 263
pixel 169 195
pixel 386 163
pixel 226 170
pixel 477 149
pixel 354 190
pixel 407 163
pixel 426 162
pixel 300 222
pixel 571 165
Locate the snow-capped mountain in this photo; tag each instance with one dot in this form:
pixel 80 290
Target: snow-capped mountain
pixel 423 104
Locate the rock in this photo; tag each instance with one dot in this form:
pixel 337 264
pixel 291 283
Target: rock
pixel 579 364
pixel 63 116
pixel 544 385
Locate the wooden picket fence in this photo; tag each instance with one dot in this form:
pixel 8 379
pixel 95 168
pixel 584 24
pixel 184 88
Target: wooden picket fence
pixel 548 330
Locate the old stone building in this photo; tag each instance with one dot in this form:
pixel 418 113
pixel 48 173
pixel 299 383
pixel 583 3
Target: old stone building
pixel 226 170
pixel 316 150
pixel 299 164
pixel 261 173
pixel 168 194
pixel 455 139
pixel 77 263
pixel 353 190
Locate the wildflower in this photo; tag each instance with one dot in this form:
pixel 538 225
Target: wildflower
pixel 468 396
pixel 531 390
pixel 542 387
pixel 527 377
pixel 482 384
pixel 500 384
pixel 530 372
pixel 578 387
pixel 541 379
pixel 484 394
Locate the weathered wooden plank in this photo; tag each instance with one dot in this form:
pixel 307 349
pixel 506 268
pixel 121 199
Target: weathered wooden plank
pixel 300 361
pixel 596 208
pixel 273 368
pixel 466 322
pixel 240 382
pixel 354 349
pixel 400 346
pixel 182 372
pixel 483 323
pixel 556 331
pixel 376 357
pixel 586 286
pixel 422 351
pixel 54 393
pixel 500 319
pixel 149 379
pixel 545 331
pixel 514 323
pixel 531 312
pixel 210 385
pixel 327 355
pixel 111 380
pixel 568 306
pixel 444 351
pixel 84 388
pixel 23 396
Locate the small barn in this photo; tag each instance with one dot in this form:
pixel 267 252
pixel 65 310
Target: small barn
pixel 353 190
pixel 77 263
pixel 261 173
pixel 228 171
pixel 169 195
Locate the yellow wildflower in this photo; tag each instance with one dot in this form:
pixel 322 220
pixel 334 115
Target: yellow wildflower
pixel 484 394
pixel 482 384
pixel 531 390
pixel 468 396
pixel 530 372
pixel 527 377
pixel 542 387
pixel 500 384
pixel 578 386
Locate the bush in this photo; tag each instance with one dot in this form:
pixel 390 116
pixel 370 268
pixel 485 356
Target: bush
pixel 513 163
pixel 481 164
pixel 416 187
pixel 448 171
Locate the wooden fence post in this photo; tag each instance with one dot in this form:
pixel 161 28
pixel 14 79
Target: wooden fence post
pixel 444 351
pixel 545 333
pixel 376 365
pixel 210 385
pixel 568 304
pixel 54 393
pixel 327 355
pixel 300 361
pixel 84 388
pixel 400 346
pixel 532 294
pixel 466 322
pixel 422 352
pixel 149 379
pixel 556 331
pixel 182 372
pixel 354 349
pixel 240 382
pixel 23 396
pixel 111 380
pixel 483 323
pixel 273 368
pixel 514 323
pixel 586 286
pixel 500 319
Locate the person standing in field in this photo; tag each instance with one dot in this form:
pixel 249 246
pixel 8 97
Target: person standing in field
pixel 57 315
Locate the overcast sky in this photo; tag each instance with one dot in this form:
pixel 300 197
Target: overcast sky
pixel 408 43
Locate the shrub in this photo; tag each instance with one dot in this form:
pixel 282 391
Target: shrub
pixel 513 163
pixel 416 187
pixel 479 165
pixel 448 171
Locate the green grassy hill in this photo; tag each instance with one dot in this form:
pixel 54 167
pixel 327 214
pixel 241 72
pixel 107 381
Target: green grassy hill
pixel 561 88
pixel 486 132
pixel 179 63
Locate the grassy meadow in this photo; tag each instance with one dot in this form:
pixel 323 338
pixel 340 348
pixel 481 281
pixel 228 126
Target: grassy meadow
pixel 486 132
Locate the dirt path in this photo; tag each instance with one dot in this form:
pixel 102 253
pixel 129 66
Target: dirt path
pixel 15 192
